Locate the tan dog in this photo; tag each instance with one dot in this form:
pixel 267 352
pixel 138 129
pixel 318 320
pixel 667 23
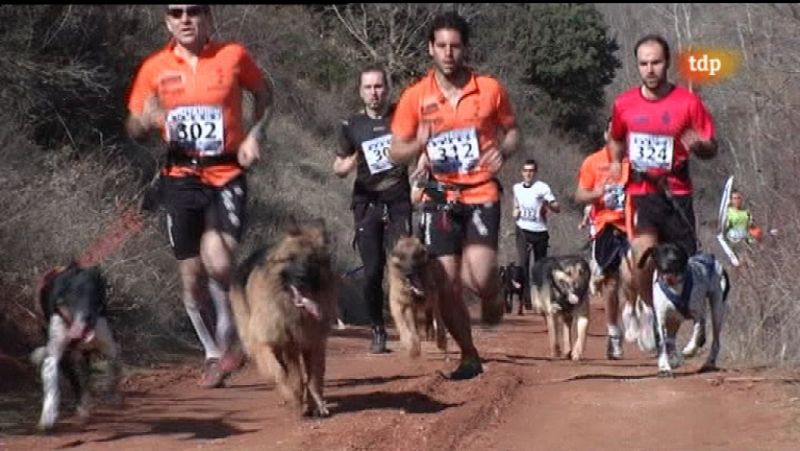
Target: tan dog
pixel 284 302
pixel 412 294
pixel 560 288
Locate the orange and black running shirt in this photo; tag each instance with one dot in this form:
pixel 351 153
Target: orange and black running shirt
pixel 458 135
pixel 593 173
pixel 203 105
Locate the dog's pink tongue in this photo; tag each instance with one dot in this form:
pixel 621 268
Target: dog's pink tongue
pixel 78 331
pixel 305 303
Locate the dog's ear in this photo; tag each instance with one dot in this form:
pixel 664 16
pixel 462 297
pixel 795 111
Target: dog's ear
pixel 292 227
pixel 559 275
pixel 647 254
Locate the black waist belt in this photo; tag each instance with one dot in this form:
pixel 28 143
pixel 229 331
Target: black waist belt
pixel 182 159
pixel 681 173
pixel 436 190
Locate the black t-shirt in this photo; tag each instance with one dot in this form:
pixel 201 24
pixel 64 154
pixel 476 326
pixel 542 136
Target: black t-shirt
pixel 377 179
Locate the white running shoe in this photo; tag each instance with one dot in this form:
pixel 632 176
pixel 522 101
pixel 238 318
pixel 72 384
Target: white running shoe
pixel 630 323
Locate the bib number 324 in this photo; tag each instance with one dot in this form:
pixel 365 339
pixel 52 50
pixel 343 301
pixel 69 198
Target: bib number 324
pixel 650 151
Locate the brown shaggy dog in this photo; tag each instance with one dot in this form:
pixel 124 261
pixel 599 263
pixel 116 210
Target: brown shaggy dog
pixel 284 302
pixel 412 294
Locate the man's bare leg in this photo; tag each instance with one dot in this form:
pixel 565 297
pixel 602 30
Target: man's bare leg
pixel 456 316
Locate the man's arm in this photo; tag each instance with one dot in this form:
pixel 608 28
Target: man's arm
pixel 586 196
pixel 343 165
pixel 263 101
pixel 511 142
pixel 250 148
pixel 554 206
pixel 402 151
pixel 139 126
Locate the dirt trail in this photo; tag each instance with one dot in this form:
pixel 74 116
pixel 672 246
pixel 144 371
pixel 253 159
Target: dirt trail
pixel 522 402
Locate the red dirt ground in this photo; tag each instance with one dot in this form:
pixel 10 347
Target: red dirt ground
pixel 523 401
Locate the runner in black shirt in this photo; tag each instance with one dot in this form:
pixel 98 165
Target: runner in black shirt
pixel 381 204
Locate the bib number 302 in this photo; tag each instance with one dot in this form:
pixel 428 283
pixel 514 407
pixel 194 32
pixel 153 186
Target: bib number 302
pixel 197 128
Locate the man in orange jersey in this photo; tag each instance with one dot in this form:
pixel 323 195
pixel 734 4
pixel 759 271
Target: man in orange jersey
pixel 190 91
pixel 465 124
pixel 606 196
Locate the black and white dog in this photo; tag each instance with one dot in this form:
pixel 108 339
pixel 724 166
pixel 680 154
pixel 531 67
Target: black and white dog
pixel 73 301
pixel 683 288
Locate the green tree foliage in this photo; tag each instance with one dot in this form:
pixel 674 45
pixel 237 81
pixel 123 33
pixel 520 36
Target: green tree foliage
pixel 570 57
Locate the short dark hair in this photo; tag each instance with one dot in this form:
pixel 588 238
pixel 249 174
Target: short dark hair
pixel 373 67
pixel 658 39
pixel 450 20
pixel 531 161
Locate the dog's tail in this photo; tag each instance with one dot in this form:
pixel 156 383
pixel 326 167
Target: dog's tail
pixel 647 254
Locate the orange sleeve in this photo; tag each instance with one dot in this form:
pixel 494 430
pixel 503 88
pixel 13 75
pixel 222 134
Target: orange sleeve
pixel 406 115
pixel 586 176
pixel 142 88
pixel 505 114
pixel 250 75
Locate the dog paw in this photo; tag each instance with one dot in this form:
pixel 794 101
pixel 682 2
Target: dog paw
pixel 666 373
pixel 675 360
pixel 315 411
pixel 577 357
pixel 690 351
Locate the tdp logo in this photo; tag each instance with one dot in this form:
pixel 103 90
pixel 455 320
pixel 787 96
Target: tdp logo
pixel 707 65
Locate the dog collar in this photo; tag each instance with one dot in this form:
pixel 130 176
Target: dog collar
pixel 679 300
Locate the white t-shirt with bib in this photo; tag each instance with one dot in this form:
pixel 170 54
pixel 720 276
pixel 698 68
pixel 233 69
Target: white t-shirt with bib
pixel 531 202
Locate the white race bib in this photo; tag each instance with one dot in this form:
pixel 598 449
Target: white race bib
pixel 529 214
pixel 614 196
pixel 650 151
pixel 376 152
pixel 454 151
pixel 197 128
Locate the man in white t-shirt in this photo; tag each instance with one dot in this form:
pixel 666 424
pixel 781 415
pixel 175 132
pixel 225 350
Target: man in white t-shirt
pixel 532 201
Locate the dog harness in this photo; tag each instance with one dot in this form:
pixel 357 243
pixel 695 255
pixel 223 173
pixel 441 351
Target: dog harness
pixel 681 300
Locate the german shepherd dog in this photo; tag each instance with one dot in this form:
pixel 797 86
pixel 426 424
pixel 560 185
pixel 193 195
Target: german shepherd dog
pixel 413 295
pixel 683 288
pixel 559 288
pixel 284 302
pixel 73 300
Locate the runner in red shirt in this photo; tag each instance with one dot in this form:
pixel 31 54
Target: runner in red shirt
pixel 657 126
pixel 455 115
pixel 191 92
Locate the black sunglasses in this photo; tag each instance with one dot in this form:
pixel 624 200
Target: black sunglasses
pixel 192 11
